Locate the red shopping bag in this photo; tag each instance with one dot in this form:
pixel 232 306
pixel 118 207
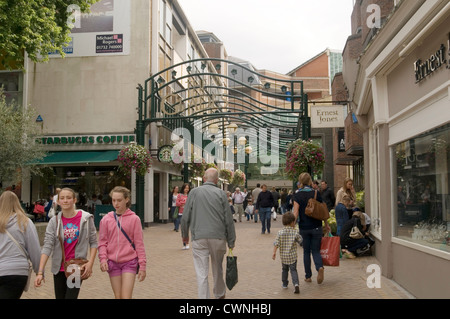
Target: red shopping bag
pixel 330 250
pixel 39 209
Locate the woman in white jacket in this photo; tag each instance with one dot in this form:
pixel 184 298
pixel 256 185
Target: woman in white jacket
pixel 19 242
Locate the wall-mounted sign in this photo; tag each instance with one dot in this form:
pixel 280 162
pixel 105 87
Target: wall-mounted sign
pixel 422 69
pixel 87 139
pixel 327 116
pixel 105 30
pixel 109 43
pixel 165 154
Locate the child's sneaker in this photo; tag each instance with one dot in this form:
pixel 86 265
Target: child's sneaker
pixel 284 286
pixel 296 289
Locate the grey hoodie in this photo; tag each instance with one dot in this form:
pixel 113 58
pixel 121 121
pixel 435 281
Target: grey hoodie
pixel 12 260
pixel 87 238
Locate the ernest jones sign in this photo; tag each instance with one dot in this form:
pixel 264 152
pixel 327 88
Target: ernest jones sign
pixel 327 116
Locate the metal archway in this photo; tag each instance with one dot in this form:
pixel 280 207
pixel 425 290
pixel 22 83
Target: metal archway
pixel 201 93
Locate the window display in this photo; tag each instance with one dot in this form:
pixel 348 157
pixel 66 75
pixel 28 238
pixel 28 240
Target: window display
pixel 423 200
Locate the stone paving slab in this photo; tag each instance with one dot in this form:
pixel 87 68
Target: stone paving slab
pixel 171 274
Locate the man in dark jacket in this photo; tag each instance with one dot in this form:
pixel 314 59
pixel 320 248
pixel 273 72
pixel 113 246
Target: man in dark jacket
pixel 327 195
pixel 263 206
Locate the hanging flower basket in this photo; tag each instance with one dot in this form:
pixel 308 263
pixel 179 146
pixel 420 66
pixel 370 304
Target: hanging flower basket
pixel 197 166
pixel 238 178
pixel 302 154
pixel 134 156
pixel 226 174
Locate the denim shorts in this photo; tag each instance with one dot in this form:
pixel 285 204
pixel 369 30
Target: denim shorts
pixel 117 269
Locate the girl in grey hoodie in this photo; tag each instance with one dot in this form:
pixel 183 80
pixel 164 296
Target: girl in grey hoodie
pixel 76 229
pixel 14 264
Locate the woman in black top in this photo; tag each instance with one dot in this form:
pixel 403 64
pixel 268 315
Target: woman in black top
pixel 310 228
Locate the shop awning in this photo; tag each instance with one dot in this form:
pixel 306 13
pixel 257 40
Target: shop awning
pixel 54 158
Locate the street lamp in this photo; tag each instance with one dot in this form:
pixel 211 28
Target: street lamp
pixel 213 129
pixel 242 140
pixel 232 128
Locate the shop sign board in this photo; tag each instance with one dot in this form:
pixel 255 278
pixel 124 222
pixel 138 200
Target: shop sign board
pixel 109 139
pixel 165 154
pixel 438 59
pixel 327 116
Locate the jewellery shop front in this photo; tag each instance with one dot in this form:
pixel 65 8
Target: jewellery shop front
pixel 408 146
pixel 86 163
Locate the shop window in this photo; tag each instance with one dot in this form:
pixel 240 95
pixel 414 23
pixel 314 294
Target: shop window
pixel 85 181
pixel 11 83
pixel 423 201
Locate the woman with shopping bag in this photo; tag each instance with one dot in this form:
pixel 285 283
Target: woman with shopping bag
pixel 310 228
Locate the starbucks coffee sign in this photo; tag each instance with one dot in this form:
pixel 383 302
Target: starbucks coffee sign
pixel 87 140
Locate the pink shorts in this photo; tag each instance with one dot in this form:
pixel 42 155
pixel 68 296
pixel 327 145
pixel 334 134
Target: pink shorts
pixel 116 269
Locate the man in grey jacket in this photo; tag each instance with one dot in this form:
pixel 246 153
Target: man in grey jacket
pixel 208 216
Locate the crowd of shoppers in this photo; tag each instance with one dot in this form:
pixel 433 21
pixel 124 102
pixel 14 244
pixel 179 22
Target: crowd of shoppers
pixel 205 216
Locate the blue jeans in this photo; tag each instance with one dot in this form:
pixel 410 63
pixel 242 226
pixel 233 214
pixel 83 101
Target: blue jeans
pixel 176 221
pixel 312 239
pixel 285 271
pixel 265 216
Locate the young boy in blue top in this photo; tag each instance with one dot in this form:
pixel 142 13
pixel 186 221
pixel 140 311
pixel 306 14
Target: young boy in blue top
pixel 287 239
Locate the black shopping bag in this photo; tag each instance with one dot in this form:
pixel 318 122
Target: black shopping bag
pixel 232 271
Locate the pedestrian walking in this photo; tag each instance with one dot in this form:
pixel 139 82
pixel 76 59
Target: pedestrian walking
pixel 207 216
pixel 121 245
pixel 75 229
pixel 283 197
pixel 287 240
pixel 289 201
pixel 310 228
pixel 250 211
pixel 19 243
pixel 238 200
pixel 180 203
pixel 327 195
pixel 263 206
pixel 255 192
pixel 172 206
pixel 276 198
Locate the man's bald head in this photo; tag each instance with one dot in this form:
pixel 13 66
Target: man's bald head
pixel 211 175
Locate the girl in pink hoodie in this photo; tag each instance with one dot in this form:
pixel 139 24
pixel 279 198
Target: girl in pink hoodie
pixel 120 256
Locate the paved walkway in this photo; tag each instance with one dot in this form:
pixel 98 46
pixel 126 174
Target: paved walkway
pixel 171 274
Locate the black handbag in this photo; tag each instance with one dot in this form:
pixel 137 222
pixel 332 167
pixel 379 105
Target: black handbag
pixel 232 271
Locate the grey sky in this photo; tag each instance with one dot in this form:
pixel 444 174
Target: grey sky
pixel 276 35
